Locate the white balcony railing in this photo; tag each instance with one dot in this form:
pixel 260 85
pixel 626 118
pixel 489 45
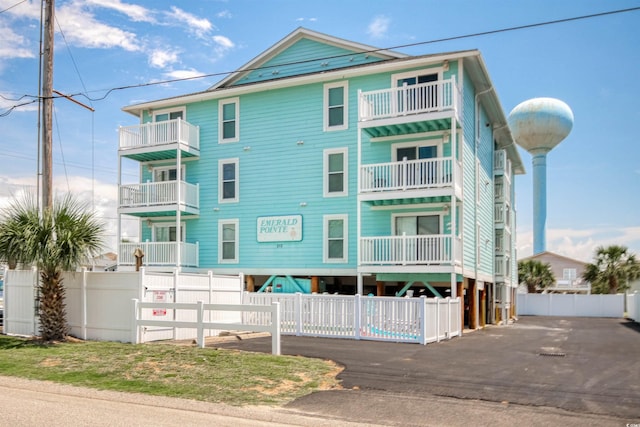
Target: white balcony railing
pixel 409 175
pixel 160 254
pixel 159 194
pixel 501 163
pixel 159 133
pixel 434 249
pixel 410 99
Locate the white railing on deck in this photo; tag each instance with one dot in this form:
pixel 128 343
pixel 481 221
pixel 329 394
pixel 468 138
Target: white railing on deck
pixel 158 133
pixel 159 194
pixel 160 253
pixel 410 99
pixel 409 175
pixel 433 249
pixel 418 320
pixel 501 163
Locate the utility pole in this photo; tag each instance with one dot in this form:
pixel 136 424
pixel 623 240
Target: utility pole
pixel 47 105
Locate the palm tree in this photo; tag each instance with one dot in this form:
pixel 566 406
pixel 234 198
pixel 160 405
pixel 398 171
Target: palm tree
pixel 613 268
pixel 58 240
pixel 535 274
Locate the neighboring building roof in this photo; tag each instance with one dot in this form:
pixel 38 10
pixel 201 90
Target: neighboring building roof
pixel 552 255
pixel 384 60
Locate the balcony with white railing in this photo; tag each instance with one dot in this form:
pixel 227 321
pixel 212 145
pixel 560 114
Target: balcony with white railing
pixel 160 254
pixel 410 178
pixel 502 164
pixel 425 250
pixel 432 101
pixel 140 142
pixel 156 197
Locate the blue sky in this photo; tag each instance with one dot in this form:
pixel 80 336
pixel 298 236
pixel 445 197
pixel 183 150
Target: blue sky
pixel 592 64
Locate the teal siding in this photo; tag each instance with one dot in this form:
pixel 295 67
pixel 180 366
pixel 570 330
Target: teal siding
pixel 468 173
pixel 304 57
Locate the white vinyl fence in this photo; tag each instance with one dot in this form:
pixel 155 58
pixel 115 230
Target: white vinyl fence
pixel 633 306
pixel 415 320
pixel 570 305
pixel 98 304
pixel 203 311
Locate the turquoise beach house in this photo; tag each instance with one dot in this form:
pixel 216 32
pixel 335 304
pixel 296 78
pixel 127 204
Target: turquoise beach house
pixel 332 164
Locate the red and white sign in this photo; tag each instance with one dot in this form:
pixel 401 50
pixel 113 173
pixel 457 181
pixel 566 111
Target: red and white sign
pixel 159 296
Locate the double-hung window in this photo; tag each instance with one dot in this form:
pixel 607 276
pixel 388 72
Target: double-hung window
pixel 228 180
pixel 336 106
pixel 229 120
pixel 336 242
pixel 335 172
pixel 228 241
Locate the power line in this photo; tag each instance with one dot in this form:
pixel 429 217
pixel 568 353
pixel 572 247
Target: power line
pixel 264 67
pixel 11 7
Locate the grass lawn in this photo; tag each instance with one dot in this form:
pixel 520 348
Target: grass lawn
pixel 212 375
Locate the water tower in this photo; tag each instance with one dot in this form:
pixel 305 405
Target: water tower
pixel 538 125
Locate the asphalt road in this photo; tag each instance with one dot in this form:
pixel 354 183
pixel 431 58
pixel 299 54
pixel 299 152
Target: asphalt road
pixel 585 367
pixel 537 372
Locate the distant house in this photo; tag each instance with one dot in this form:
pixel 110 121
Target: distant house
pixel 567 271
pixel 360 169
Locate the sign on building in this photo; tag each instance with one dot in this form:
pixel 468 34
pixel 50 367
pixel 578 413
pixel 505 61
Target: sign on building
pixel 286 228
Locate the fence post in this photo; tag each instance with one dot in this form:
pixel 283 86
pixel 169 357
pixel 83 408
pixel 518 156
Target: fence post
pixel 357 314
pixel 200 324
pixel 423 320
pixel 175 300
pixel 134 323
pixel 275 328
pixel 298 312
pixel 84 303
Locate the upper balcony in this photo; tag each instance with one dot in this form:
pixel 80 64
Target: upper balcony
pixel 411 252
pixel 160 254
pixel 501 164
pixel 423 107
pixel 159 140
pixel 159 198
pixel 415 179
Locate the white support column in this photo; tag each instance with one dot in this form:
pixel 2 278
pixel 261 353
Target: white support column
pixel 360 287
pixel 179 208
pixel 119 220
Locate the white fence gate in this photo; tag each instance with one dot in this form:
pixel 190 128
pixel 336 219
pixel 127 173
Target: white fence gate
pixel 416 320
pixel 570 305
pixel 98 304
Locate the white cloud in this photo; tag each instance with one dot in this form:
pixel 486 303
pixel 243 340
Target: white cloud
pixel 30 9
pixel 378 27
pixel 199 26
pixel 581 243
pixel 81 28
pixel 5 104
pixel 13 45
pixel 160 58
pixel 224 14
pixel 183 74
pixel 135 12
pixel 222 45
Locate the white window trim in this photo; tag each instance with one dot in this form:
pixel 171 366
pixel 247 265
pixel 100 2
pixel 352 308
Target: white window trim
pixel 221 104
pixel 345 169
pixel 400 76
pixel 222 162
pixel 424 143
pixel 417 214
pixel 345 112
pixel 325 239
pixel 155 226
pixel 170 110
pixel 155 169
pixel 236 257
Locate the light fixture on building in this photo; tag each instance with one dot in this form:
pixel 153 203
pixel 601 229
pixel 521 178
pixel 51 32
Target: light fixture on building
pixel 247 148
pixel 300 142
pixel 303 204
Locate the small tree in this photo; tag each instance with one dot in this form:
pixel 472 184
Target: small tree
pixel 535 274
pixel 58 240
pixel 612 270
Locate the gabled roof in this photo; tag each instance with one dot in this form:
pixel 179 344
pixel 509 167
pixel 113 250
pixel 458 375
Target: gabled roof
pixel 298 34
pixel 552 255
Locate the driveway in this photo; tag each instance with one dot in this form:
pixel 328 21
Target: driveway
pixel 587 368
